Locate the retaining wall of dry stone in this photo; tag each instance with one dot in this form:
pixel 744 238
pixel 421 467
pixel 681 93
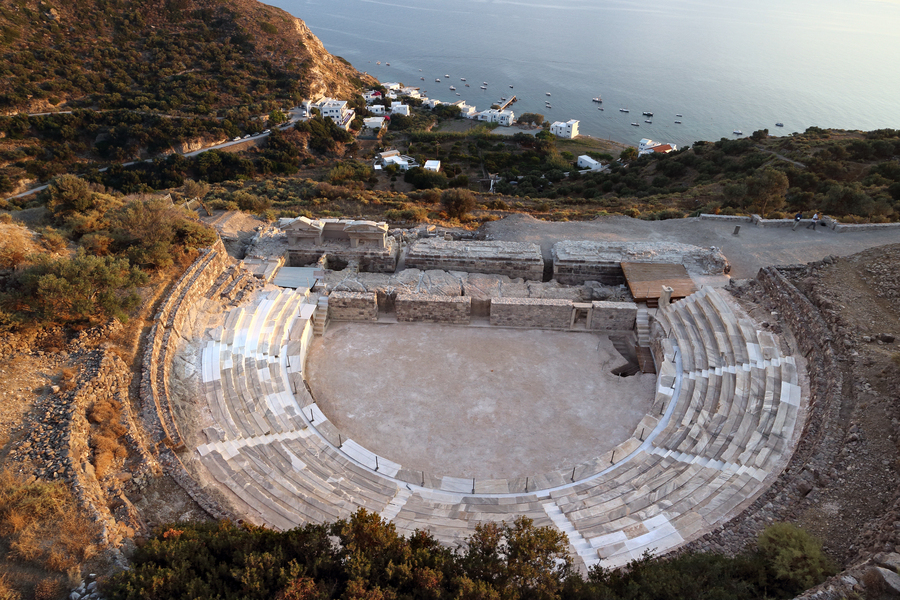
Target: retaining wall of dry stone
pixel 353 306
pixel 613 316
pixel 156 411
pixel 433 309
pixel 539 313
pixel 513 259
pixel 371 260
pixel 822 431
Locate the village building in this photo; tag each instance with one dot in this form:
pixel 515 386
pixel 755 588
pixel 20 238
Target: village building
pixel 493 115
pixel 433 165
pixel 648 146
pixel 400 109
pixel 586 162
pixel 567 129
pixel 337 111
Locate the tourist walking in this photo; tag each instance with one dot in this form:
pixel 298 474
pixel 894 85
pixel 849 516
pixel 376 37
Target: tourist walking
pixel 797 219
pixel 814 222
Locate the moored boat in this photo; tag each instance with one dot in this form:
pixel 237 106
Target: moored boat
pixel 636 125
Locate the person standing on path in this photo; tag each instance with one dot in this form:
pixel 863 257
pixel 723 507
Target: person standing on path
pixel 814 222
pixel 797 218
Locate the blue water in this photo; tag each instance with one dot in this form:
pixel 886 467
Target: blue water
pixel 738 64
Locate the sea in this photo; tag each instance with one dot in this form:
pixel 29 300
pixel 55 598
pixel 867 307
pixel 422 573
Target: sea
pixel 724 66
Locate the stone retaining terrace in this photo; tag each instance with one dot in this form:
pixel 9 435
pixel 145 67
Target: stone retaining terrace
pixel 727 413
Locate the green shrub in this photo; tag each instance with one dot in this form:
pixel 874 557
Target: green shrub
pixel 457 202
pixel 794 556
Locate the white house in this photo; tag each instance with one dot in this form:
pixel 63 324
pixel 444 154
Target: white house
pixel 391 86
pixel 493 115
pixel 400 109
pixel 433 165
pixel 465 110
pixel 586 162
pixel 567 130
pixel 374 122
pixel 648 146
pixel 377 109
pixel 409 91
pixel 371 96
pixel 393 157
pixel 337 111
pixel 430 102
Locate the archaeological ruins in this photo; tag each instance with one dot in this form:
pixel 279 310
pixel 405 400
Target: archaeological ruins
pixel 442 382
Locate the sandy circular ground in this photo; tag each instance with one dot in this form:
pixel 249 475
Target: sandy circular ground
pixel 476 401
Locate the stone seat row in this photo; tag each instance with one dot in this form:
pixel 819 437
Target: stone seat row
pixel 728 425
pixel 742 412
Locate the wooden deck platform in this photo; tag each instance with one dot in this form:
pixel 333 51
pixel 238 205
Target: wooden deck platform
pixel 645 280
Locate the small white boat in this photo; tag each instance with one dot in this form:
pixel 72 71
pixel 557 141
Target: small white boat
pixel 452 89
pixel 467 85
pixel 548 106
pixel 510 87
pixel 647 113
pixel 548 93
pixel 446 76
pixel 422 78
pixel 678 115
pixel 678 122
pixel 420 70
pixel 601 108
pixel 484 87
pixel 378 62
pixel 597 99
pixel 462 78
pixel 484 83
pixel 647 121
pixel 779 124
pixel 625 110
pixel 457 93
pixel 636 125
pixel 737 132
pixel 502 98
pixel 437 80
pixel 387 64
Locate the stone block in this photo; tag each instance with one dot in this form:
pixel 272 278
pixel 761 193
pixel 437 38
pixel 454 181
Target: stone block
pixel 613 316
pixel 433 309
pixel 513 259
pixel 537 313
pixel 353 306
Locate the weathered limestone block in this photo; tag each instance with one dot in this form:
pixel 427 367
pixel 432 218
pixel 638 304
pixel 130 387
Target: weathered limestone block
pixel 433 309
pixel 613 316
pixel 514 259
pixel 353 306
pixel 537 313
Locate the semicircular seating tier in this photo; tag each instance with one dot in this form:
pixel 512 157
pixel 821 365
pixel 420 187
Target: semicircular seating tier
pixel 722 426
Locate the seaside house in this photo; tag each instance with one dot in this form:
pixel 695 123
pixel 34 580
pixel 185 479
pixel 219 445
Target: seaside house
pixel 493 115
pixel 430 102
pixel 465 110
pixel 337 111
pixel 400 109
pixel 410 92
pixel 371 96
pixel 391 86
pixel 567 129
pixel 377 109
pixel 648 146
pixel 433 165
pixel 586 162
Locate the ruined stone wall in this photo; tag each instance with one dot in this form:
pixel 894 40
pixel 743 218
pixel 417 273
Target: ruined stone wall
pixel 370 259
pixel 156 411
pixel 613 316
pixel 513 259
pixel 353 306
pixel 577 271
pixel 539 313
pixel 822 432
pixel 433 309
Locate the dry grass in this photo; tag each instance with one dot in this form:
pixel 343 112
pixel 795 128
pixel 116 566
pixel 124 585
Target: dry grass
pixel 41 524
pixel 67 380
pixel 107 415
pixel 7 590
pixel 16 243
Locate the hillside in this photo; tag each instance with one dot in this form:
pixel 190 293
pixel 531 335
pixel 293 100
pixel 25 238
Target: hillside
pixel 192 56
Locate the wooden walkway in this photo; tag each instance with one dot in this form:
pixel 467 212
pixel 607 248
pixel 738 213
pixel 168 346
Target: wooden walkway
pixel 645 280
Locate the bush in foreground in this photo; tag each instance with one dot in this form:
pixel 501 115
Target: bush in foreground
pixel 364 557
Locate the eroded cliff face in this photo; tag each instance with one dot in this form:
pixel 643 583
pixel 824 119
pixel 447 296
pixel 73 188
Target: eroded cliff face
pixel 328 75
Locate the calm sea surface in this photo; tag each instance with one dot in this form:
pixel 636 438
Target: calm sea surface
pixel 737 64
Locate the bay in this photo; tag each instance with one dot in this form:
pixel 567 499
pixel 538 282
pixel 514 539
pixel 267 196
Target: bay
pixel 725 66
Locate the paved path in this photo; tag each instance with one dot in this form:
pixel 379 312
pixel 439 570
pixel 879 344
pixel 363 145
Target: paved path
pixel 752 249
